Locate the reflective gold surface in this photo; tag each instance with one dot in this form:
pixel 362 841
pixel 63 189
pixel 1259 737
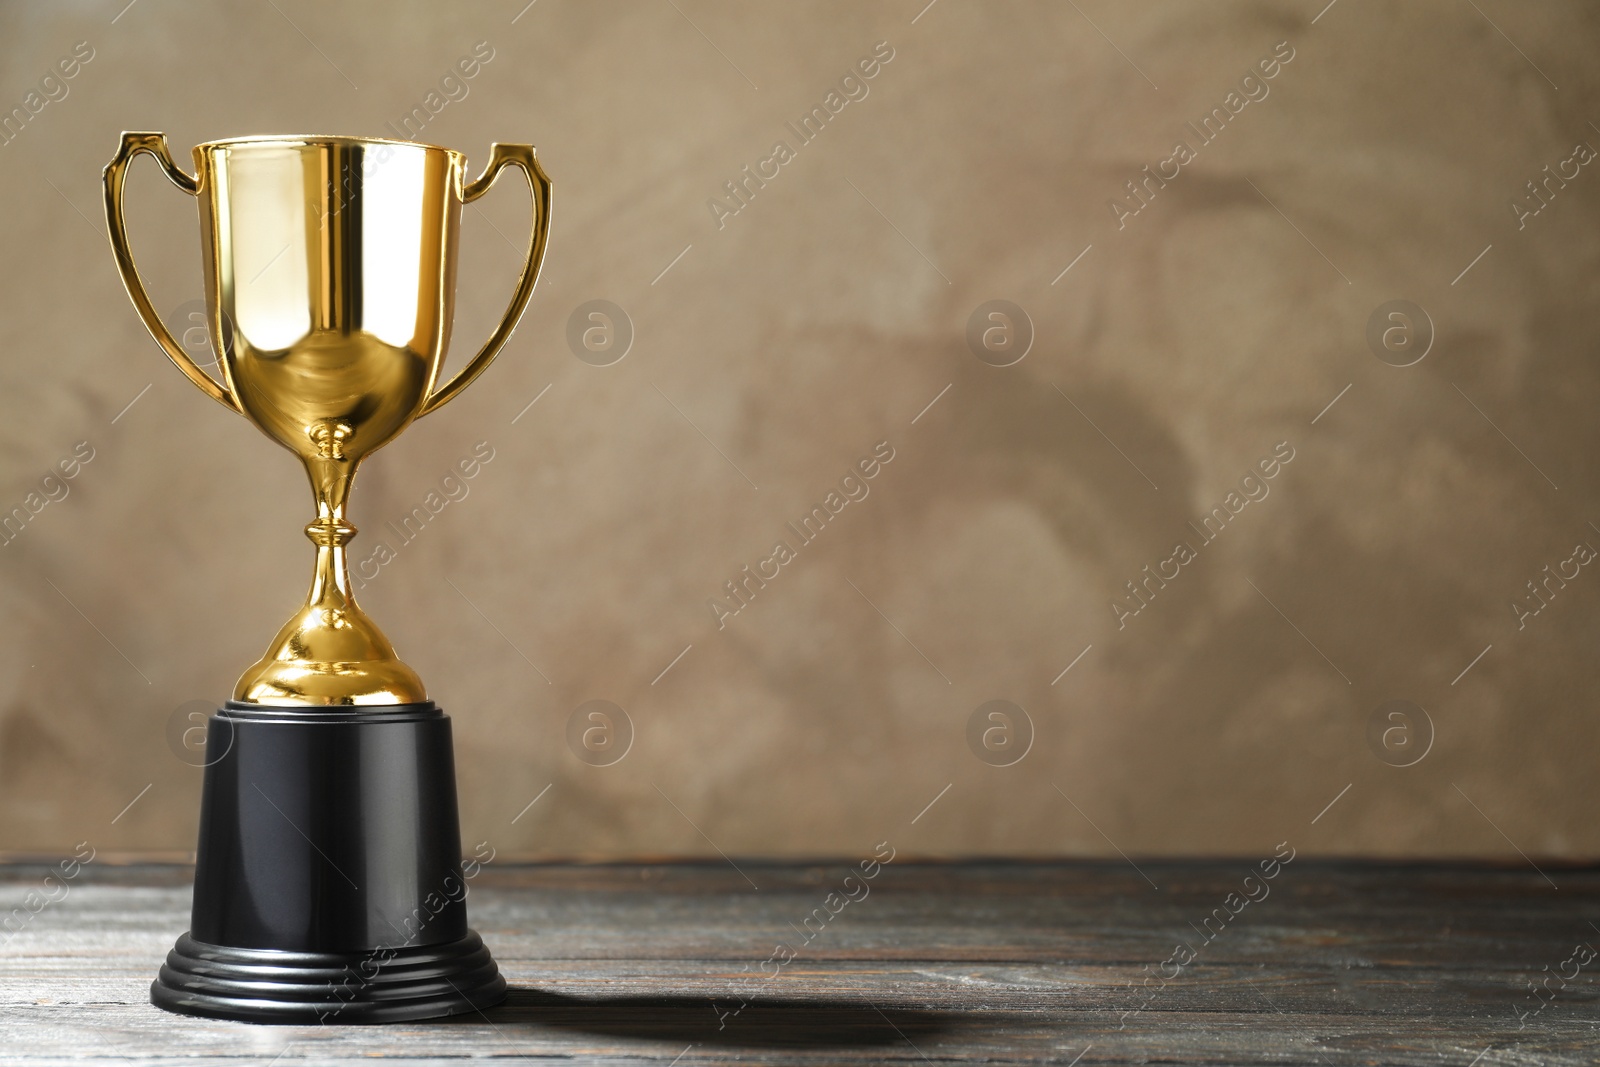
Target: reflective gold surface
pixel 330 286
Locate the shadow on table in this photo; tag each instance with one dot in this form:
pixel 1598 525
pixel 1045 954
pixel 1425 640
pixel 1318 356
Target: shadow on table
pixel 759 1022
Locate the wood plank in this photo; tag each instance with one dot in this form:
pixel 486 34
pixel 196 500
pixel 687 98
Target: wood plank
pixel 1000 963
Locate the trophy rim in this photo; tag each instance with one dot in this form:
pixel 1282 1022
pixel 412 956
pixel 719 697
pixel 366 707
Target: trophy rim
pixel 303 139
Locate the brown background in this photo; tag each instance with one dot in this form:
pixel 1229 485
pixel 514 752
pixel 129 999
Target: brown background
pixel 823 319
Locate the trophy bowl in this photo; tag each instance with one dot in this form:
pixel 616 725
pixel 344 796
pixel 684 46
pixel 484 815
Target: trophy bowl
pixel 328 877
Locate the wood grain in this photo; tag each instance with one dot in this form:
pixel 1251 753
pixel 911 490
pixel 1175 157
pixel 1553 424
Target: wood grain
pixel 993 962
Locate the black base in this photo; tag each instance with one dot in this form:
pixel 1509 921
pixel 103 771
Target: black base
pixel 328 884
pixel 268 986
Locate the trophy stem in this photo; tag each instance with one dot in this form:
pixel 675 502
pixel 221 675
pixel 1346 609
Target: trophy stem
pixel 330 585
pixel 330 582
pixel 330 652
pixel 331 472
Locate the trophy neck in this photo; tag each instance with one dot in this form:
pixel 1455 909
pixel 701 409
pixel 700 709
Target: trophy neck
pixel 331 478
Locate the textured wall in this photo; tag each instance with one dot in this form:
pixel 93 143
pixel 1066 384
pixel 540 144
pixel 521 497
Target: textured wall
pixel 1194 346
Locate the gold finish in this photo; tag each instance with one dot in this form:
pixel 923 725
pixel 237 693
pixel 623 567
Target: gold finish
pixel 154 144
pixel 332 260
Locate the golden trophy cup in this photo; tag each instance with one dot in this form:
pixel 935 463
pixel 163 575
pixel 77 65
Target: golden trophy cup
pixel 328 878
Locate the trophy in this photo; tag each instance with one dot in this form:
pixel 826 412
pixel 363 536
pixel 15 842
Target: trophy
pixel 328 872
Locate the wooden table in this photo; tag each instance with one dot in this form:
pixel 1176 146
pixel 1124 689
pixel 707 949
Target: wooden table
pixel 991 962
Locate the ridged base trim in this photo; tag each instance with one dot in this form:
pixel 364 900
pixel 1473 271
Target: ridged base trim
pixel 376 986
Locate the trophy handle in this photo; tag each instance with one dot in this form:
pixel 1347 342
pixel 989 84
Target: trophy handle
pixel 116 174
pixel 525 158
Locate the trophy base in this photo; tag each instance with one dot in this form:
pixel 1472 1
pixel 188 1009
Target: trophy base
pixel 273 986
pixel 328 884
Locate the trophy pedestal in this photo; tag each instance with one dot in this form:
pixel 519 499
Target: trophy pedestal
pixel 328 883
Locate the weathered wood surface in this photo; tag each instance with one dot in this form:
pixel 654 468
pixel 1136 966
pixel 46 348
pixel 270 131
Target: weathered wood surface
pixel 994 963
